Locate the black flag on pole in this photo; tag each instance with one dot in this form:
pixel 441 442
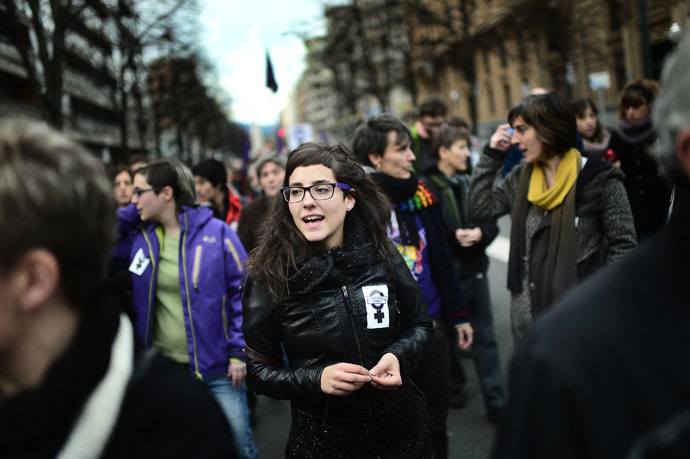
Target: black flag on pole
pixel 270 77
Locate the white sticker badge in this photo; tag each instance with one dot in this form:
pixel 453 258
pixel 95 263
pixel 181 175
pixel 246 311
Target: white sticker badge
pixel 139 263
pixel 376 299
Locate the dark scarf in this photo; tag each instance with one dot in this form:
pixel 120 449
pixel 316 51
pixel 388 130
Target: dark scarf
pixel 454 205
pixel 333 268
pixel 36 422
pixel 561 267
pixel 640 133
pixel 408 196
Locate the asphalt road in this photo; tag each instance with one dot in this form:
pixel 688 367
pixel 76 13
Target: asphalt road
pixel 471 434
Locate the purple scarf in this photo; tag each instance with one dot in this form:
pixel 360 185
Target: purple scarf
pixel 642 132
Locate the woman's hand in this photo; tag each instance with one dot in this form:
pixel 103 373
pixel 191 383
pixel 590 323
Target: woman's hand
pixel 468 237
pixel 465 333
pixel 343 378
pixel 501 138
pixel 237 371
pixel 386 374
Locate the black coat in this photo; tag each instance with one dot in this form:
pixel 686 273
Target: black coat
pixel 165 413
pixel 324 321
pixel 250 220
pixel 648 193
pixel 608 365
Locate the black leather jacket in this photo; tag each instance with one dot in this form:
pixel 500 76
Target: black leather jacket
pixel 324 321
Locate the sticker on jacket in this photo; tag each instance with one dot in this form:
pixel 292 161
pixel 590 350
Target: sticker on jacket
pixel 140 263
pixel 376 299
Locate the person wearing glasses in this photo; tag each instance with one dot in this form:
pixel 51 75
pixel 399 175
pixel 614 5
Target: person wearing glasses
pixel 326 284
pixel 186 268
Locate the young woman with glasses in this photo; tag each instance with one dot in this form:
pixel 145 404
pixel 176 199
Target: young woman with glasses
pixel 186 268
pixel 327 285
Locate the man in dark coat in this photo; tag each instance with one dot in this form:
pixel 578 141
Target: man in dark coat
pixel 73 380
pixel 605 373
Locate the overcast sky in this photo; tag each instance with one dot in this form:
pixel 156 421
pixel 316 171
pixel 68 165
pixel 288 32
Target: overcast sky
pixel 235 35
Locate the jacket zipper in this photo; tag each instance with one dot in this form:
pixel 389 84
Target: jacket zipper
pixel 149 314
pixel 189 303
pixel 359 348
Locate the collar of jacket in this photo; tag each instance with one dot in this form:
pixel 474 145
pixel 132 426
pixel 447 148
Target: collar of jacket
pixel 196 218
pixel 36 422
pixel 332 268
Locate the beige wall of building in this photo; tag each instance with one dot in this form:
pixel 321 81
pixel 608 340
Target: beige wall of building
pixel 605 36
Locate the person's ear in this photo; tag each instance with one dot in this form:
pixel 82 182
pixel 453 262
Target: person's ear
pixel 167 193
pixel 39 278
pixel 443 152
pixel 683 150
pixel 350 199
pixel 375 159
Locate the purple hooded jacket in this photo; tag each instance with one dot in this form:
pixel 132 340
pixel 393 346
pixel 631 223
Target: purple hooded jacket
pixel 211 268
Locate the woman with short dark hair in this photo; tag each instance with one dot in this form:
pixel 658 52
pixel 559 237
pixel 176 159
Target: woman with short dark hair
pixel 186 268
pixel 570 214
pixel 326 284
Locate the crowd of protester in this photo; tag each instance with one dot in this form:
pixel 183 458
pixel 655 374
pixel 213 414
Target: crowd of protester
pixel 143 309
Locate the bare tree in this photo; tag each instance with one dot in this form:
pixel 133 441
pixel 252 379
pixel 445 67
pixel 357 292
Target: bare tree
pixel 41 28
pixel 142 27
pixel 366 52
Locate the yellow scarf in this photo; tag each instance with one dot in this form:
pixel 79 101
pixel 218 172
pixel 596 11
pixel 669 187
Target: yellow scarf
pixel 566 174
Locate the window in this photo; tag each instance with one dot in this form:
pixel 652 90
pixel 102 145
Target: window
pixel 492 98
pixel 503 53
pixel 508 96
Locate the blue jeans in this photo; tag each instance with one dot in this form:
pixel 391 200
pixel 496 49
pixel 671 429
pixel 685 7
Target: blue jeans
pixel 233 401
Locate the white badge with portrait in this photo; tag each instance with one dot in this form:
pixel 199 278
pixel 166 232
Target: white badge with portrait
pixel 376 299
pixel 139 263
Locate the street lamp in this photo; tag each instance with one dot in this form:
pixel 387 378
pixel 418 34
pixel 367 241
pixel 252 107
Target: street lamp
pixel 675 33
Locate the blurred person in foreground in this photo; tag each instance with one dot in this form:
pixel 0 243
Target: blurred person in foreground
pixel 73 381
pixel 270 170
pixel 605 374
pixel 570 214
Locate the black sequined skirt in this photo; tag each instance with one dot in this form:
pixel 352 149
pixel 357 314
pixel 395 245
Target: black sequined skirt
pixel 402 432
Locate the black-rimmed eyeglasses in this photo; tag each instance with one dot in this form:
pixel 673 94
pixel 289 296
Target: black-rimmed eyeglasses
pixel 320 191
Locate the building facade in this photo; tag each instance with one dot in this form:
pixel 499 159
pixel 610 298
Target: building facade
pixel 72 67
pixel 491 53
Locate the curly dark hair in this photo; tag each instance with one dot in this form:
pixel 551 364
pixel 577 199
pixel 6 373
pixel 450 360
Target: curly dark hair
pixel 281 246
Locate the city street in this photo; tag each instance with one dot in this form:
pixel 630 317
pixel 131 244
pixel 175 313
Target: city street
pixel 471 434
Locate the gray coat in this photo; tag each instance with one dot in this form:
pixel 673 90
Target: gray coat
pixel 609 232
